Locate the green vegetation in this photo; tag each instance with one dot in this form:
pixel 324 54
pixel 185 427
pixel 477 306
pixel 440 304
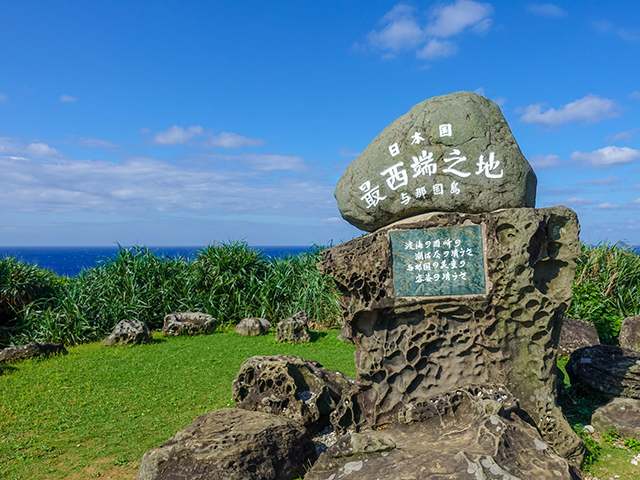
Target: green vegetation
pixel 229 281
pixel 97 410
pixel 606 288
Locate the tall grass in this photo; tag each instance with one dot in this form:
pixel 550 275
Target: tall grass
pixel 229 281
pixel 607 287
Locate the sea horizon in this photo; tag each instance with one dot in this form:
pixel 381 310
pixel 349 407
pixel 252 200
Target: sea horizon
pixel 71 260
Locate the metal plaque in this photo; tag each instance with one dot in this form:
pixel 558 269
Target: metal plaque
pixel 438 261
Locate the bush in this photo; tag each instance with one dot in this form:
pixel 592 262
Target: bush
pixel 606 288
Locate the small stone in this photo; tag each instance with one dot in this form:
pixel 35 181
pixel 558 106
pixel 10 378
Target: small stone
pixel 621 415
pixel 575 334
pixel 293 330
pixel 629 336
pixel 22 352
pixel 188 323
pixel 129 332
pixel 249 327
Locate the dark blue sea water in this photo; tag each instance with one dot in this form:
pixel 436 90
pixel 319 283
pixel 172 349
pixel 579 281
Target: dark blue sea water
pixel 70 261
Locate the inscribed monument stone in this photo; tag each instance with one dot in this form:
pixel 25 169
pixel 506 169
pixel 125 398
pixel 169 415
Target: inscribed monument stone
pixel 453 153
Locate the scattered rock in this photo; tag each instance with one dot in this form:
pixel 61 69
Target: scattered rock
pixel 250 327
pixel 188 323
pixel 293 330
pixel 611 370
pixel 286 385
pixel 460 434
pixel 343 336
pixel 414 167
pixel 630 333
pixel 129 332
pixel 409 348
pixel 576 334
pixel 232 444
pixel 22 352
pixel 621 415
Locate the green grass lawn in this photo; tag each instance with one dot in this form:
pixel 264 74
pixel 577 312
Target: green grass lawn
pixel 94 412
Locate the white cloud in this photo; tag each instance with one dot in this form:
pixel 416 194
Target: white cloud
pixel 576 202
pixel 176 135
pixel 145 185
pixel 452 19
pixel 544 161
pixel 627 136
pixel 41 150
pixel 479 91
pixel 500 101
pixel 589 109
pixel 90 142
pixel 67 98
pixel 611 180
pixel 14 149
pixel 333 220
pixel 271 162
pixel 608 156
pixel 635 202
pixel 3 97
pixel 608 206
pixel 347 152
pixel 437 49
pixel 635 95
pixel 232 141
pixel 606 27
pixel 400 29
pixel 546 10
pixel 636 186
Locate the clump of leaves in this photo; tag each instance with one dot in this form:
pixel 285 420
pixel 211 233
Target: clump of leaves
pixel 606 288
pixel 611 437
pixel 593 448
pixel 632 444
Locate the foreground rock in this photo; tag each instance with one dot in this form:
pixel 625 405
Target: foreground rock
pixel 575 334
pixel 471 433
pixel 630 333
pixel 250 327
pixel 453 153
pixel 612 371
pixel 293 330
pixel 188 323
pixel 31 350
pixel 129 332
pixel 302 390
pixel 621 415
pixel 232 444
pixel 421 329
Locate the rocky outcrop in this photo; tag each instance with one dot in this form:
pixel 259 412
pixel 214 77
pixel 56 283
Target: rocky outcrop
pixel 453 153
pixel 474 432
pixel 250 327
pixel 613 371
pixel 621 415
pixel 575 334
pixel 293 330
pixel 286 385
pixel 129 332
pixel 412 347
pixel 629 336
pixel 232 444
pixel 31 350
pixel 188 323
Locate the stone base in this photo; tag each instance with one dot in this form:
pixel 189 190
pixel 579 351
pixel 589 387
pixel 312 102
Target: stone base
pixel 409 349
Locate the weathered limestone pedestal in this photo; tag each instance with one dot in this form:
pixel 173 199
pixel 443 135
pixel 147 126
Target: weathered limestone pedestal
pixel 498 322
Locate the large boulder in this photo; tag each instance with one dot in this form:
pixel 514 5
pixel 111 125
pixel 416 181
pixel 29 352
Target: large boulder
pixel 575 334
pixel 232 444
pixel 250 327
pixel 421 328
pixel 22 352
pixel 453 153
pixel 621 415
pixel 611 370
pixel 188 323
pixel 286 385
pixel 629 336
pixel 293 329
pixel 474 432
pixel 129 332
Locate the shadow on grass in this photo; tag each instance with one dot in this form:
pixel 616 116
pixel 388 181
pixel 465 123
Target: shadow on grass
pixel 578 403
pixel 317 335
pixel 7 369
pixel 159 340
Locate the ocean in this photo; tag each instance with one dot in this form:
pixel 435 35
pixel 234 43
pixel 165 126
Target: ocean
pixel 70 261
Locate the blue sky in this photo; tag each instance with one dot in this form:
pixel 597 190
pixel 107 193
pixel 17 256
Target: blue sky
pixel 181 123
